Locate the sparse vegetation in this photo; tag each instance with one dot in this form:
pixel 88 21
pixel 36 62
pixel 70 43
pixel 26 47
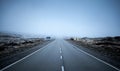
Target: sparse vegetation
pixel 14 47
pixel 10 44
pixel 107 46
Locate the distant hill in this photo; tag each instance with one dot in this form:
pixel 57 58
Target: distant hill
pixel 10 35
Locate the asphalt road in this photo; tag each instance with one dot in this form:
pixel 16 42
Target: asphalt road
pixel 60 56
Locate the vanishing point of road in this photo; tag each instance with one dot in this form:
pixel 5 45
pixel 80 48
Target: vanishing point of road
pixel 60 55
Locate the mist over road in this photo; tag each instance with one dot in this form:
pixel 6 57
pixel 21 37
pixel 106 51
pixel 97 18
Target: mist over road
pixel 59 56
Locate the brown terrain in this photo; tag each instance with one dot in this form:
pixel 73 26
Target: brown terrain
pixel 10 45
pixel 108 47
pixel 14 47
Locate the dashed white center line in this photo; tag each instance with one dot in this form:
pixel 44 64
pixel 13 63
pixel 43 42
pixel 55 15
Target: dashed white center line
pixel 62 67
pixel 61 57
pixel 60 50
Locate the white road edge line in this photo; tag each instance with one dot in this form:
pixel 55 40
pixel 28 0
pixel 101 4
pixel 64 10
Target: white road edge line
pixel 98 59
pixel 61 57
pixel 62 67
pixel 21 59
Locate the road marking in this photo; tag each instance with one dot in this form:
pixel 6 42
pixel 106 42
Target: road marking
pixel 60 50
pixel 62 67
pixel 97 59
pixel 23 58
pixel 61 57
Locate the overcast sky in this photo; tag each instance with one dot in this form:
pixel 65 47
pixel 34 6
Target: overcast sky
pixel 82 18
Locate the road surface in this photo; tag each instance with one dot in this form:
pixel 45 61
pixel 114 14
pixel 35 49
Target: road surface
pixel 60 56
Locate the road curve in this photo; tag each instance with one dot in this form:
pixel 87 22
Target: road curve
pixel 59 56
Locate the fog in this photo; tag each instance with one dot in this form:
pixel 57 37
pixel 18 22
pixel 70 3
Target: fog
pixel 81 18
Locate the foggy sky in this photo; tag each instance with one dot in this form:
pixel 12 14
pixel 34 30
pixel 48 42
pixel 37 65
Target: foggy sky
pixel 83 18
